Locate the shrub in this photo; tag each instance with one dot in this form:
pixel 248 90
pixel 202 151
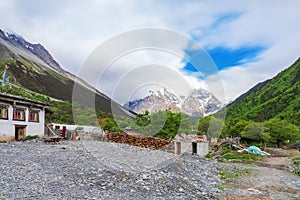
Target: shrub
pixel 209 156
pixel 31 137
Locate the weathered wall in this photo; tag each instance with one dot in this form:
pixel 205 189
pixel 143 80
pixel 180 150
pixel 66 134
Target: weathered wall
pixel 186 147
pixel 7 127
pixel 202 148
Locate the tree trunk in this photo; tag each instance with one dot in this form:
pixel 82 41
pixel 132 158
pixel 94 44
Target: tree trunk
pixel 249 142
pixel 209 142
pixel 264 145
pixel 279 143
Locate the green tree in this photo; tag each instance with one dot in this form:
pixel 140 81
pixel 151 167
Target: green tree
pixel 170 128
pixel 282 131
pixel 143 119
pixel 256 131
pixel 238 128
pixel 164 124
pixel 210 126
pixel 62 112
pixel 108 124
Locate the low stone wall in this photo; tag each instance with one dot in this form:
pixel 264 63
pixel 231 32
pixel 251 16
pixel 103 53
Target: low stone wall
pixel 145 142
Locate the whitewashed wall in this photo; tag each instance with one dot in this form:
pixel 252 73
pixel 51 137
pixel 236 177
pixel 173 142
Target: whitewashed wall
pixel 186 147
pixel 7 127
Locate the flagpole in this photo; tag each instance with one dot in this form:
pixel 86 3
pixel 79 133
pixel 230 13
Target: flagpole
pixel 4 78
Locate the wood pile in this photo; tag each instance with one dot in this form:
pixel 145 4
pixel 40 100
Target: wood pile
pixel 145 142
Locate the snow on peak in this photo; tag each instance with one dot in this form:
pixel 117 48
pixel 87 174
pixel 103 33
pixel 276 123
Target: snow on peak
pixel 198 103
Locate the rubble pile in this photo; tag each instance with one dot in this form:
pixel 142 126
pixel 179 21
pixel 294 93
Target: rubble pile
pixel 103 170
pixel 145 142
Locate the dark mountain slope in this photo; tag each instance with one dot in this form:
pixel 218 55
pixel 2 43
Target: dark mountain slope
pixel 32 68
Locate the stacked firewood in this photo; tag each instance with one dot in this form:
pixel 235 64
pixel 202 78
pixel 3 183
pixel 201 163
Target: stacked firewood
pixel 145 142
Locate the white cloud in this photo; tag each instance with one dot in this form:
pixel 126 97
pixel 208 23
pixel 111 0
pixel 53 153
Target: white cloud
pixel 71 30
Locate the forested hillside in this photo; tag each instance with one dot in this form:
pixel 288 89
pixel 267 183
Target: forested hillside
pixel 278 97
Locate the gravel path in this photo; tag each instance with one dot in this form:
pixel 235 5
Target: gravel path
pixel 98 170
pixel 264 182
pixel 128 158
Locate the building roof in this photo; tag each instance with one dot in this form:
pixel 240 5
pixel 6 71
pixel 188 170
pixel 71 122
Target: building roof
pixel 19 100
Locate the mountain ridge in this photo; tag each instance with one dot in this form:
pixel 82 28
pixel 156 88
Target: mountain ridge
pixel 278 97
pixel 197 103
pixel 32 67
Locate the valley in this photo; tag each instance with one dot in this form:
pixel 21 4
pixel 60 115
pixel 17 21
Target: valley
pixel 267 116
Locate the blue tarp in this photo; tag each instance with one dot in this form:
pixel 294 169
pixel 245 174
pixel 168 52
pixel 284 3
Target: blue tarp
pixel 256 150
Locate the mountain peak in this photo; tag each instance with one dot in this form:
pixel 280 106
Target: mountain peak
pixel 36 49
pixel 199 102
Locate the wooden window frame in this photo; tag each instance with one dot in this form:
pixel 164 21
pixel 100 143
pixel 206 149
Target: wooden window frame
pixel 17 117
pixel 33 112
pixel 5 107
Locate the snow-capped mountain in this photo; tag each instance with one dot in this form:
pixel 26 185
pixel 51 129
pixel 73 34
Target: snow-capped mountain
pixel 30 67
pixel 157 100
pixel 198 103
pixel 36 49
pixel 36 53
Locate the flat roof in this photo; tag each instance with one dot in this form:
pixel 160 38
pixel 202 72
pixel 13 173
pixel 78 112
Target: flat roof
pixel 21 100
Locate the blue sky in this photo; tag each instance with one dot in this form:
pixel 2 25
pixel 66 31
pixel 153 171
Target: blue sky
pixel 249 41
pixel 224 58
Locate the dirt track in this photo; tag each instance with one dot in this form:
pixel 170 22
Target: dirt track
pixel 267 183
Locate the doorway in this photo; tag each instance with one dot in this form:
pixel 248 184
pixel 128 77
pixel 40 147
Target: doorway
pixel 20 132
pixel 194 148
pixel 178 147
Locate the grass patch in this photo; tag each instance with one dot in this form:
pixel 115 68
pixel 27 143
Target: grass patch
pixel 246 164
pixel 232 175
pixel 243 157
pixel 222 187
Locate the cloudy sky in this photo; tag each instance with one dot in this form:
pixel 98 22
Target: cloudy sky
pixel 249 41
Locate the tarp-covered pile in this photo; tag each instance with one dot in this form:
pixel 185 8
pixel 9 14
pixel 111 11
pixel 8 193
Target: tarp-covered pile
pixel 255 150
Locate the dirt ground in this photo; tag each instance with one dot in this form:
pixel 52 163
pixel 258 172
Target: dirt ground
pixel 267 182
pixel 6 139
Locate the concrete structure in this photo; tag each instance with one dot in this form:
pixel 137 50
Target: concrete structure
pixel 20 116
pixel 192 144
pixel 88 129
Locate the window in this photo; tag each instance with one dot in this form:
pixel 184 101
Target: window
pixel 3 111
pixel 34 115
pixel 19 114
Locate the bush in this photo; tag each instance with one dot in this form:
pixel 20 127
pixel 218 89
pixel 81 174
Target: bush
pixel 296 161
pixel 31 137
pixel 225 150
pixel 209 156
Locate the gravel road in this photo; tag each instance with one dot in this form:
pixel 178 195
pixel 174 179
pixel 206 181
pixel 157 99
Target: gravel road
pixel 99 170
pixel 102 170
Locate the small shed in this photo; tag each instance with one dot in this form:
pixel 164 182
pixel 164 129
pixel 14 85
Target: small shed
pixel 192 144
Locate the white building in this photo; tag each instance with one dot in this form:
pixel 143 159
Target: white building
pixel 20 116
pixel 192 144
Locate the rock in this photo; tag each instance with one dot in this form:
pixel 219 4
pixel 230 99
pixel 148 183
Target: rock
pixel 108 171
pixel 181 189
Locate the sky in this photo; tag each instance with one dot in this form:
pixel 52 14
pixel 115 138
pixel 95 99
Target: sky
pixel 248 41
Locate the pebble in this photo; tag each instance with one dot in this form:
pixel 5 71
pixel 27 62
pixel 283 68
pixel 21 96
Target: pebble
pixel 101 170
